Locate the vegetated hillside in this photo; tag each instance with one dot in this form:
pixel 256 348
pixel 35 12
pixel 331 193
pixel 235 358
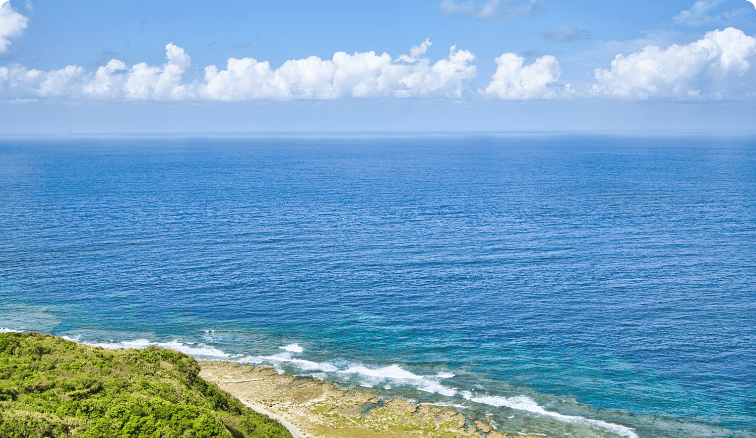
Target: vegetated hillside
pixel 50 387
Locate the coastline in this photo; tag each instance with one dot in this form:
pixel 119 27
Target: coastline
pixel 312 408
pixel 309 407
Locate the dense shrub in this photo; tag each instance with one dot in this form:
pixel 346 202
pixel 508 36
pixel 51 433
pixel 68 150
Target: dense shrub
pixel 50 387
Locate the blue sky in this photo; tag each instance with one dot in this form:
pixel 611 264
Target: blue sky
pixel 442 65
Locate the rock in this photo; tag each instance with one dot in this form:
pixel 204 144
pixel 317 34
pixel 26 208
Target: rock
pixel 399 406
pixel 483 427
pixel 320 409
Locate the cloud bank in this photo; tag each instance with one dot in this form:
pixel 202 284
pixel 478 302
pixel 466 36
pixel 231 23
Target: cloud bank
pixel 713 67
pixel 716 67
pixel 491 8
pixel 359 75
pixel 12 24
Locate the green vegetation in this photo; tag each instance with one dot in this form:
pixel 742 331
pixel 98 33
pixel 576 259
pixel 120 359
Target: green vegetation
pixel 50 387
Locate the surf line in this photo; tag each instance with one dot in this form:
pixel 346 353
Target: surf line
pixel 524 403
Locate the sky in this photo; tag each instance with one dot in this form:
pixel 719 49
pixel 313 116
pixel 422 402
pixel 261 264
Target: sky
pixel 260 66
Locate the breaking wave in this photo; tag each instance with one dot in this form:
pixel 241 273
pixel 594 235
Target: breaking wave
pixel 524 403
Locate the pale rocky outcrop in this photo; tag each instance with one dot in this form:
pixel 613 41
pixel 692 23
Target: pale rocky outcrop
pixel 311 408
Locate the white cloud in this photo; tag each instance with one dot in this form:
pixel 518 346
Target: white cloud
pixel 513 80
pixel 444 77
pixel 158 83
pixel 416 51
pixel 12 24
pixel 358 75
pixel 38 83
pixel 422 49
pixel 700 14
pixel 710 68
pixel 108 82
pixel 718 66
pixel 112 81
pixel 491 8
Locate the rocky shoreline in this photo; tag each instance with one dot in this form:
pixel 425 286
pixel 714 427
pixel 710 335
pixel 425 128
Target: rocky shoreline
pixel 312 408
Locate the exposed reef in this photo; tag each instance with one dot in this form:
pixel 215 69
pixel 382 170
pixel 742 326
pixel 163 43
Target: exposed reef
pixel 312 408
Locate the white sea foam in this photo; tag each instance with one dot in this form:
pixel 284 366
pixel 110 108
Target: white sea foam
pixel 397 374
pixel 305 365
pixel 198 350
pixel 7 330
pixel 386 377
pixel 524 403
pixel 437 388
pixel 294 348
pixel 393 372
pixel 112 345
pixel 211 336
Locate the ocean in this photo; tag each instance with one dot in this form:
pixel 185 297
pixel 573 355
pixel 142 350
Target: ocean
pixel 569 285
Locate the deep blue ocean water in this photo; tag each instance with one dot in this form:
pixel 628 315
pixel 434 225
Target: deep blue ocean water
pixel 561 284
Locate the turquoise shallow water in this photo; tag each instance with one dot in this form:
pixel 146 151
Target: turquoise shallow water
pixel 581 285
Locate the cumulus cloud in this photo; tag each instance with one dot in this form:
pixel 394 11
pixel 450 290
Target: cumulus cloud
pixel 700 14
pixel 566 34
pixel 718 66
pixel 491 8
pixel 713 67
pixel 112 81
pixel 12 24
pixel 515 81
pixel 158 83
pixel 359 75
pixel 37 83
